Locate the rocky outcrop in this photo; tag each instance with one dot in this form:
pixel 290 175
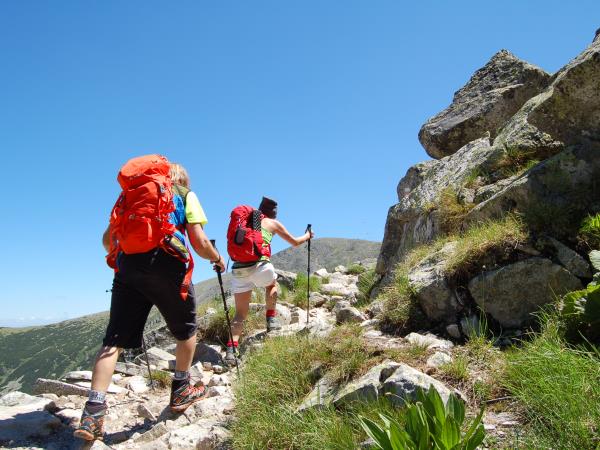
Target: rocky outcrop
pixel 493 94
pixel 534 152
pixel 512 293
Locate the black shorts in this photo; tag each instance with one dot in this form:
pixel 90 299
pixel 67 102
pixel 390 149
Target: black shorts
pixel 143 280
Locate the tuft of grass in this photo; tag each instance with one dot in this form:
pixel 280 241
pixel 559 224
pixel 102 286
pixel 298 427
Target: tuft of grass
pixel 162 378
pixel 265 411
pixel 558 389
pixel 298 296
pixel 217 331
pixel 452 211
pixel 483 240
pixel 589 231
pixel 356 269
pixel 516 160
pixel 366 282
pixel 457 369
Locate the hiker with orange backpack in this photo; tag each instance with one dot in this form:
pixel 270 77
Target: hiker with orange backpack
pixel 150 224
pixel 249 245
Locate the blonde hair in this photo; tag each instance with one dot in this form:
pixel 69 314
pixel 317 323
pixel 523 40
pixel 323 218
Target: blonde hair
pixel 179 175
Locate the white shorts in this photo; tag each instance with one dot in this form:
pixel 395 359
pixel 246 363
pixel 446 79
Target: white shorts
pixel 258 276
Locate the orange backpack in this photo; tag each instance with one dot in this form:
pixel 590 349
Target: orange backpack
pixel 139 221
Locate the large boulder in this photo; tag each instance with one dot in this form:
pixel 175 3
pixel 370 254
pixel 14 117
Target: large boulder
pixel 367 387
pixel 512 293
pixel 492 95
pixel 23 416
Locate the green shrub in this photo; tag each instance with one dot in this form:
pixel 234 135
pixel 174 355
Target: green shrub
pixel 161 378
pixel 356 269
pixel 401 310
pixel 557 388
pixel 429 425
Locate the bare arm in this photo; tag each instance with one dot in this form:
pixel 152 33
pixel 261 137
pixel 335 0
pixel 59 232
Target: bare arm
pixel 106 239
pixel 281 231
pixel 201 244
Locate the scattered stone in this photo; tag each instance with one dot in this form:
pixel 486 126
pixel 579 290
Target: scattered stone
pixel 349 314
pixel 137 384
pixel 321 395
pixel 438 359
pixel 69 416
pixel 206 365
pixel 430 341
pixel 317 299
pixel 287 279
pixel 340 269
pixel 43 386
pixel 322 273
pixel 215 391
pixel 569 259
pixel 144 412
pixel 153 433
pixel 453 331
pixel 157 356
pixel 218 380
pixel 112 388
pixel 218 369
pixel 207 353
pixel 23 416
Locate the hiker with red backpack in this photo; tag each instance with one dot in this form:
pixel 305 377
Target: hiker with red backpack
pixel 150 224
pixel 249 245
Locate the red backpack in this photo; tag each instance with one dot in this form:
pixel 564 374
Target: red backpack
pixel 244 235
pixel 139 221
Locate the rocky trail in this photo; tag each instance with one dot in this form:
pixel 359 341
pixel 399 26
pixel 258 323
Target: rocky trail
pixel 138 414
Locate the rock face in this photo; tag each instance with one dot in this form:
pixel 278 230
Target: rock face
pixel 405 381
pixel 510 294
pixel 515 139
pixel 493 94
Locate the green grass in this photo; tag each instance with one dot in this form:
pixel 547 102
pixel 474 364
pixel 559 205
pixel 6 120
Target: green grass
pixel 366 282
pixel 515 160
pixel 276 379
pixel 490 238
pixel 298 295
pixel 452 210
pixel 162 378
pixel 558 389
pixel 589 231
pixel 457 369
pixel 356 269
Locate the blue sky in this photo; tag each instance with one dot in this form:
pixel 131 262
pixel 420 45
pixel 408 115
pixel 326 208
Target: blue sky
pixel 314 103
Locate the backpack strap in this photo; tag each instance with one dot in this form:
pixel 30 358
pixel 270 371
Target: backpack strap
pixel 183 192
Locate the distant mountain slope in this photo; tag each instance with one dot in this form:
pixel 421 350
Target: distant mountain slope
pixel 324 252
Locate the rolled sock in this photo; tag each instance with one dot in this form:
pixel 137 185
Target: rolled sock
pixel 96 396
pixel 270 313
pixel 181 375
pixel 232 344
pixel 94 408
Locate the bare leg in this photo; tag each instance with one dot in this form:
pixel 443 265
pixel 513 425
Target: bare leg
pixel 242 304
pixel 104 367
pixel 271 296
pixel 184 353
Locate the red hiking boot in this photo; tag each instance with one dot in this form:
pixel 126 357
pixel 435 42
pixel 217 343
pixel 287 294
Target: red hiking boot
pixel 91 425
pixel 185 395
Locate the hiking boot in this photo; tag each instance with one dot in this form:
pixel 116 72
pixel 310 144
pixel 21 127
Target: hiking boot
pixel 185 395
pixel 91 425
pixel 230 358
pixel 273 324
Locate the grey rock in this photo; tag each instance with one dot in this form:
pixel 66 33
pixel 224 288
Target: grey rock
pixel 493 94
pixel 23 416
pixel 287 279
pixel 405 381
pixel 341 269
pixel 349 314
pixel 137 384
pixel 321 395
pixel 431 288
pixel 438 359
pixel 153 433
pixel 569 259
pixel 453 330
pixel 317 299
pixel 157 356
pixel 218 369
pixel 130 369
pixel 429 340
pixel 322 273
pixel 215 391
pixel 201 436
pixel 145 412
pixel 512 293
pixel 367 387
pixel 471 326
pixel 44 386
pixel 207 353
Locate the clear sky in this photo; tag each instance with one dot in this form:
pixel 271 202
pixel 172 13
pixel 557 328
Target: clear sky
pixel 314 103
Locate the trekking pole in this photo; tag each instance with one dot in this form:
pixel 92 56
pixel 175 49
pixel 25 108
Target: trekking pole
pixel 220 278
pixel 308 227
pixel 147 363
